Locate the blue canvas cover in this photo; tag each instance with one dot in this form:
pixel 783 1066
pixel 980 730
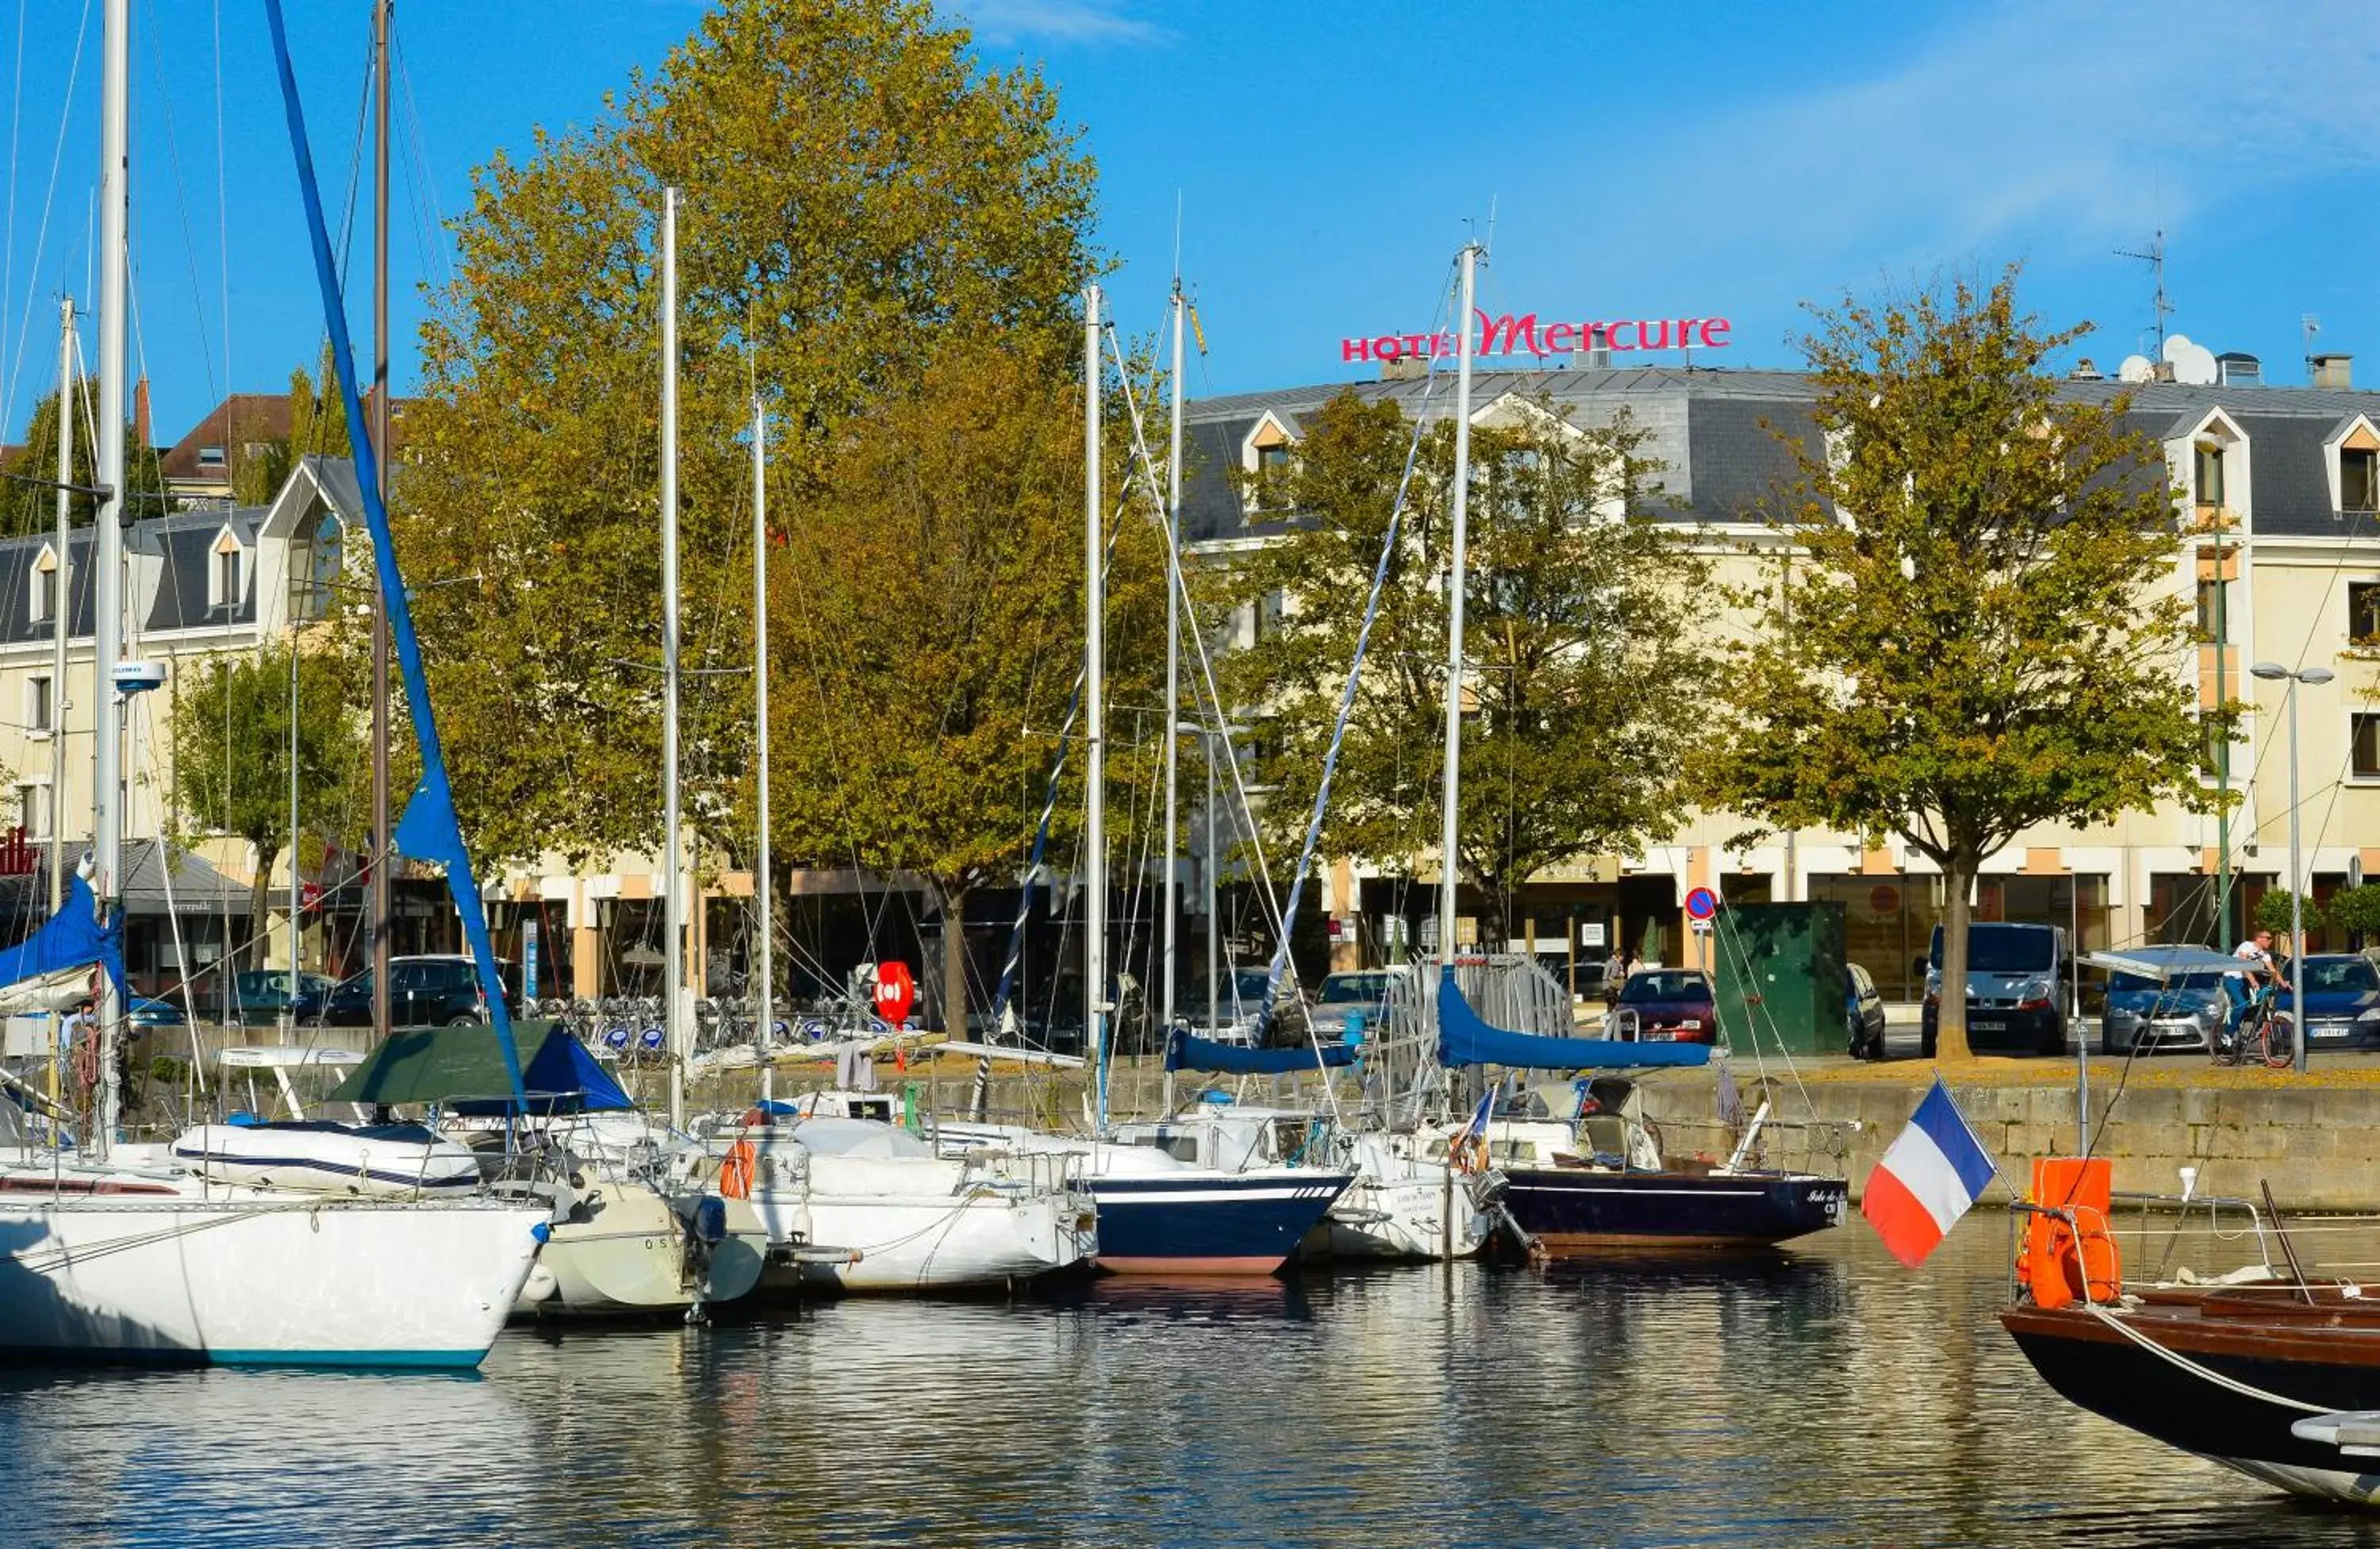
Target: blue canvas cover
pixel 1465 1039
pixel 461 1067
pixel 72 938
pixel 1184 1053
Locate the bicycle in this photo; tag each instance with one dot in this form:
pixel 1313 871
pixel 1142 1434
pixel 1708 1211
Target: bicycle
pixel 2261 1032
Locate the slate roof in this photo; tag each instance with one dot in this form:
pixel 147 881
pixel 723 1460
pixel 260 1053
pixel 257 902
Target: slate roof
pixel 1719 432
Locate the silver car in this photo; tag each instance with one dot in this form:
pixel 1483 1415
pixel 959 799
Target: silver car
pixel 2184 1012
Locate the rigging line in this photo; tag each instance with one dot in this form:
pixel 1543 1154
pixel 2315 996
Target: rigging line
pixel 182 205
pixel 42 233
pixel 8 225
pixel 222 208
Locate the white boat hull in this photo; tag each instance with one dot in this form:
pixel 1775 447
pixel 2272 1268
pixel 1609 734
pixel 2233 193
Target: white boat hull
pixel 249 1278
pixel 1402 1217
pixel 624 1253
pixel 328 1160
pixel 927 1243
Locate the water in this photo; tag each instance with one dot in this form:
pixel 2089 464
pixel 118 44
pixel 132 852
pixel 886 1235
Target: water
pixel 1833 1399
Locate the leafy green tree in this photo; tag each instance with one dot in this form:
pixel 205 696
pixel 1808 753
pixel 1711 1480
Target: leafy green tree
pixel 318 426
pixel 231 744
pixel 860 195
pixel 927 615
pixel 2273 913
pixel 1577 623
pixel 2355 910
pixel 32 507
pixel 1976 630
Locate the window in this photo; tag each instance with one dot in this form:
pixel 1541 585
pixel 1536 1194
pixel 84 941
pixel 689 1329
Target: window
pixel 211 456
pixel 2366 758
pixel 38 706
pixel 1272 476
pixel 2358 479
pixel 2214 622
pixel 2364 610
pixel 45 594
pixel 33 810
pixel 2214 751
pixel 2210 474
pixel 224 578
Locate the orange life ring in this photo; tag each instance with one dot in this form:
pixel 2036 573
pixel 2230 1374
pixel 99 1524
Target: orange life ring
pixel 2066 1262
pixel 736 1172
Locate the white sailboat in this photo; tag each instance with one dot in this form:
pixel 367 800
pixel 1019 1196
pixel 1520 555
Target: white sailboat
pixel 107 1260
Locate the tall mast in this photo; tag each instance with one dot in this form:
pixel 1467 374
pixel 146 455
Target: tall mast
pixel 1095 836
pixel 1449 872
pixel 59 597
pixel 765 1022
pixel 674 910
pixel 384 855
pixel 107 539
pixel 1173 667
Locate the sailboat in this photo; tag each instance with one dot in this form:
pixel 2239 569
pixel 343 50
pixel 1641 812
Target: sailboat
pixel 104 1259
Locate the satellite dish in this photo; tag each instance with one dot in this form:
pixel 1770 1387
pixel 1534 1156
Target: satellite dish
pixel 2136 368
pixel 2191 363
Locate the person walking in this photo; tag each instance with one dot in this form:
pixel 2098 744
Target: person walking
pixel 1615 973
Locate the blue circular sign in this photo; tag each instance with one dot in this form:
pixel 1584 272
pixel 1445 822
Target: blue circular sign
pixel 1702 903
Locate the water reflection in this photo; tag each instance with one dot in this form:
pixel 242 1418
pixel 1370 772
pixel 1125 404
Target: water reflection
pixel 1822 1398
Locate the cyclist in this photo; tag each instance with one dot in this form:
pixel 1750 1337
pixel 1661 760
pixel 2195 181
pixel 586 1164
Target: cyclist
pixel 2256 969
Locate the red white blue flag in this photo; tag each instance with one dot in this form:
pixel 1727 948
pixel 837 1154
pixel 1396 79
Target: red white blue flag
pixel 1928 1179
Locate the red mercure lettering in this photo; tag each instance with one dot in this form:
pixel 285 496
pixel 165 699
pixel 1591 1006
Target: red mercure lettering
pixel 1441 344
pixel 1715 330
pixel 1386 348
pixel 1612 336
pixel 1685 326
pixel 1354 349
pixel 1560 336
pixel 1417 344
pixel 1517 333
pixel 1647 339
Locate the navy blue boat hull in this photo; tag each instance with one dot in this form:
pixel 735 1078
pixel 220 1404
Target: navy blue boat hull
pixel 1232 1224
pixel 1573 1210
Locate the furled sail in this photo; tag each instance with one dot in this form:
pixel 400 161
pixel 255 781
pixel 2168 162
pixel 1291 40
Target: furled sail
pixel 1183 1052
pixel 1465 1039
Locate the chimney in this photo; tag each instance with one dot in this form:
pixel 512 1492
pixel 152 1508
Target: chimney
pixel 2335 372
pixel 140 415
pixel 2237 368
pixel 1404 368
pixel 2086 371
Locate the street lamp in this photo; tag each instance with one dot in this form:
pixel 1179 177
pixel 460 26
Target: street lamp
pixel 2273 672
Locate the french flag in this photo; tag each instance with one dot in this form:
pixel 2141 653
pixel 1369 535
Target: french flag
pixel 1929 1178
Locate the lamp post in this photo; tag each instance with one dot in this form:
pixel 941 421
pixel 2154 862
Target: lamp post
pixel 2273 672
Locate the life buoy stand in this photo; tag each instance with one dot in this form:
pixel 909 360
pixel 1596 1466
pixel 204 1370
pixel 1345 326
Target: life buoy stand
pixel 736 1172
pixel 2071 1255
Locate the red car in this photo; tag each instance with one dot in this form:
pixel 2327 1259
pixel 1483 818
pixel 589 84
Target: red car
pixel 1667 1005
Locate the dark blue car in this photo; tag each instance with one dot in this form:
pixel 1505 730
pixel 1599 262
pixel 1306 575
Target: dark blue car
pixel 2342 1001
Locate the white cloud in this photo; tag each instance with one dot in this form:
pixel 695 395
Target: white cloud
pixel 1066 21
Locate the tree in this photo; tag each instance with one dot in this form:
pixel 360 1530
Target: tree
pixel 2356 910
pixel 928 608
pixel 1971 626
pixel 230 736
pixel 2273 914
pixel 860 194
pixel 1577 620
pixel 31 507
pixel 318 426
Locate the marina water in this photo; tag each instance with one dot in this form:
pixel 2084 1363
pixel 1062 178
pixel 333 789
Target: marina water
pixel 1828 1397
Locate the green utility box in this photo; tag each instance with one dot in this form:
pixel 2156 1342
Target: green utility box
pixel 1777 969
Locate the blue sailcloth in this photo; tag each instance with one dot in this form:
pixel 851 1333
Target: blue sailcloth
pixel 1464 1038
pixel 429 830
pixel 72 939
pixel 1183 1052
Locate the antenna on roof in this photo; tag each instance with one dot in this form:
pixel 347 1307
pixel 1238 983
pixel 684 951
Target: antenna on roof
pixel 2309 326
pixel 2161 307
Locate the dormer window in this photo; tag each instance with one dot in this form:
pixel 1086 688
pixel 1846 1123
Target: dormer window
pixel 2359 478
pixel 211 456
pixel 42 603
pixel 226 579
pixel 2209 471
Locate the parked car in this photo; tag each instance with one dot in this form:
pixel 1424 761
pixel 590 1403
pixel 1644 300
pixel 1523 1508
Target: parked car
pixel 2016 990
pixel 2342 991
pixel 422 991
pixel 1342 995
pixel 143 1012
pixel 1235 1020
pixel 1669 1004
pixel 1863 1013
pixel 2152 1016
pixel 263 994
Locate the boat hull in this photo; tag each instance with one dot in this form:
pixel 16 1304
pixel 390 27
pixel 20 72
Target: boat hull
pixel 2099 1369
pixel 1568 1211
pixel 251 1279
pixel 1402 1217
pixel 624 1254
pixel 926 1243
pixel 1224 1224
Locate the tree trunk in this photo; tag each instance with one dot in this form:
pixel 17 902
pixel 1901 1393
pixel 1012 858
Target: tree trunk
pixel 1950 1022
pixel 265 855
pixel 954 958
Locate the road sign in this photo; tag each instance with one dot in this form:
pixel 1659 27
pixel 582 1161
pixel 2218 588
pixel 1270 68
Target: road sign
pixel 1702 903
pixel 1699 927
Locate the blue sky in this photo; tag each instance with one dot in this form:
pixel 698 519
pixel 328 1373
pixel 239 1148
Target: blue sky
pixel 1640 160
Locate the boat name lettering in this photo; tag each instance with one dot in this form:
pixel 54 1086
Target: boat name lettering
pixel 1523 334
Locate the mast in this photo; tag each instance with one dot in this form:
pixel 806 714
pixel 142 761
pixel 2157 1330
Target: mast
pixel 58 608
pixel 1172 670
pixel 108 538
pixel 1095 836
pixel 1448 872
pixel 765 1022
pixel 384 849
pixel 673 913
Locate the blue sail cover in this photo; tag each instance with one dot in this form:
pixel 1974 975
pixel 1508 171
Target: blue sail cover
pixel 1465 1039
pixel 72 939
pixel 561 1077
pixel 1186 1053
